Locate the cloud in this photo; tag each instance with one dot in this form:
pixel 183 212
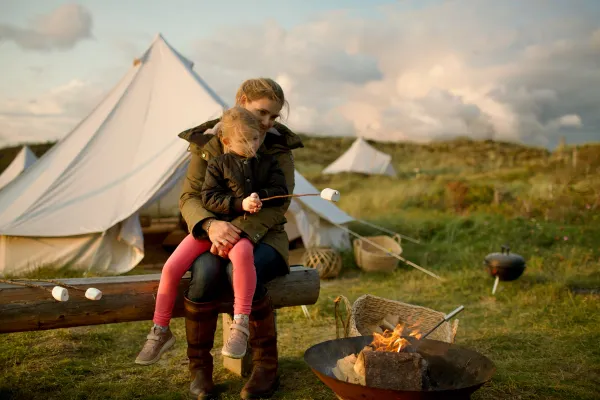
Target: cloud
pixel 48 116
pixel 60 29
pixel 505 70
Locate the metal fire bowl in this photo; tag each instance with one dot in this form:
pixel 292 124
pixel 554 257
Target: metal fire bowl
pixel 455 372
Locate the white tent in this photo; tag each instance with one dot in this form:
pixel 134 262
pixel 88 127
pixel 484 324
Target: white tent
pixel 79 204
pixel 24 159
pixel 363 158
pixel 315 219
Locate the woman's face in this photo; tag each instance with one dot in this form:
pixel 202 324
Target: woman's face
pixel 265 109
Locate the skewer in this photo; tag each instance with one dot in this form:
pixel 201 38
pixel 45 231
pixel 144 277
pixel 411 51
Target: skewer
pixel 58 293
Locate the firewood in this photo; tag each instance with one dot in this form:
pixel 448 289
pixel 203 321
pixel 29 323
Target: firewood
pixel 344 369
pixel 391 370
pixel 359 366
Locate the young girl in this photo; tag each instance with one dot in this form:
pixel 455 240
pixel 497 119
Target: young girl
pixel 235 183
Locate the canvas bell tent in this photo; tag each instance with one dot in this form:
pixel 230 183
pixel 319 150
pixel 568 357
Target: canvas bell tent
pixel 24 159
pixel 363 158
pixel 79 204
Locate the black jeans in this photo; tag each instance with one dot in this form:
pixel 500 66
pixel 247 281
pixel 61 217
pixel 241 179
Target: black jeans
pixel 212 275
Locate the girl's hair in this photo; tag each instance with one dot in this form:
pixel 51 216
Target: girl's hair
pixel 238 125
pixel 259 88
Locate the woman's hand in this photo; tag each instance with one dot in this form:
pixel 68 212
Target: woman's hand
pixel 223 236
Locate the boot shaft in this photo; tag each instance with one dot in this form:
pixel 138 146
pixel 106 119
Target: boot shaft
pixel 263 332
pixel 200 327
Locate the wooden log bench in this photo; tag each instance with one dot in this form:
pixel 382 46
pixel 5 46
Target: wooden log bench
pixel 132 298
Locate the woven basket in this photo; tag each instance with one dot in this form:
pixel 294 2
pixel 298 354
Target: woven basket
pixel 368 310
pixel 325 260
pixel 370 258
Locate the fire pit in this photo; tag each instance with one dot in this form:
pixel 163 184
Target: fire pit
pixel 440 370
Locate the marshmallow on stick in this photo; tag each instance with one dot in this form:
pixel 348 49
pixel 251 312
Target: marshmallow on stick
pixel 330 194
pixel 327 194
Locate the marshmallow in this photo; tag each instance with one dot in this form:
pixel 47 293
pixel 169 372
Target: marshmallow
pixel 330 194
pixel 93 294
pixel 60 293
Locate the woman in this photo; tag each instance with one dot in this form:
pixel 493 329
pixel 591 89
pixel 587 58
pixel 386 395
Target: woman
pixel 211 272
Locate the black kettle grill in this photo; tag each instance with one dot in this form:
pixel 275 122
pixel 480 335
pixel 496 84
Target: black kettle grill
pixel 504 266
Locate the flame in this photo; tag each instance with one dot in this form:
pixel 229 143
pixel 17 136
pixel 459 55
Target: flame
pixel 393 340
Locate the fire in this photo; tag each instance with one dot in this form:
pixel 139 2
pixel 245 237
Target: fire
pixel 393 340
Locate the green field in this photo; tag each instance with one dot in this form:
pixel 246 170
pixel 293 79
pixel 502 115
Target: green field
pixel 465 200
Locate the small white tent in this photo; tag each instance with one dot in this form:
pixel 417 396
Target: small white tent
pixel 79 205
pixel 24 159
pixel 363 158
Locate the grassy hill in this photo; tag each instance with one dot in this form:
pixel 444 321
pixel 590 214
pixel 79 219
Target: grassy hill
pixel 464 201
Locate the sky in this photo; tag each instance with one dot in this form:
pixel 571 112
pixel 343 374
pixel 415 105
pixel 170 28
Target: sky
pixel 418 70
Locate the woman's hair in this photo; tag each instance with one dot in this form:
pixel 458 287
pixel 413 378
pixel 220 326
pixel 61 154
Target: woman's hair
pixel 238 125
pixel 259 88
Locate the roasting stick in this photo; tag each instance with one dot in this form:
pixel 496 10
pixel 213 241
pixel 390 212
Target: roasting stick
pixel 90 293
pixel 447 317
pixel 59 293
pixel 334 195
pixel 327 194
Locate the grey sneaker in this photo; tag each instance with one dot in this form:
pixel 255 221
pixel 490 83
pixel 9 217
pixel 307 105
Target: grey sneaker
pixel 156 344
pixel 238 339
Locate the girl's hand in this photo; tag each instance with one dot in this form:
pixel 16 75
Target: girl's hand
pixel 252 203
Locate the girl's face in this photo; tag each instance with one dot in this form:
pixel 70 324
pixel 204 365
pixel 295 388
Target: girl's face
pixel 246 144
pixel 265 109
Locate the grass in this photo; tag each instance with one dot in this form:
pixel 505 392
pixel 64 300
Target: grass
pixel 542 331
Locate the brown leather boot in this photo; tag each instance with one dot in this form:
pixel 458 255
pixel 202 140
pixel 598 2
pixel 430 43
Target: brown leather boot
pixel 200 326
pixel 264 380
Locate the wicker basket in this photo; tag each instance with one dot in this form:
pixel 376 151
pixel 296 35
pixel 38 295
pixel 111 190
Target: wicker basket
pixel 370 258
pixel 325 260
pixel 368 310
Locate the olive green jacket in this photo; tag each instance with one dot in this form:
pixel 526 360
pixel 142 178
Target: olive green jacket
pixel 266 226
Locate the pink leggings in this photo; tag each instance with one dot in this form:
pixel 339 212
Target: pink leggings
pixel 244 276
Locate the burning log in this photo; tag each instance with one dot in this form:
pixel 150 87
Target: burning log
pixel 384 370
pixel 390 370
pixel 389 362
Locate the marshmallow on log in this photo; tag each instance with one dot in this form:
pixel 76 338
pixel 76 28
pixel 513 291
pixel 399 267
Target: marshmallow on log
pixel 60 293
pixel 330 194
pixel 93 294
